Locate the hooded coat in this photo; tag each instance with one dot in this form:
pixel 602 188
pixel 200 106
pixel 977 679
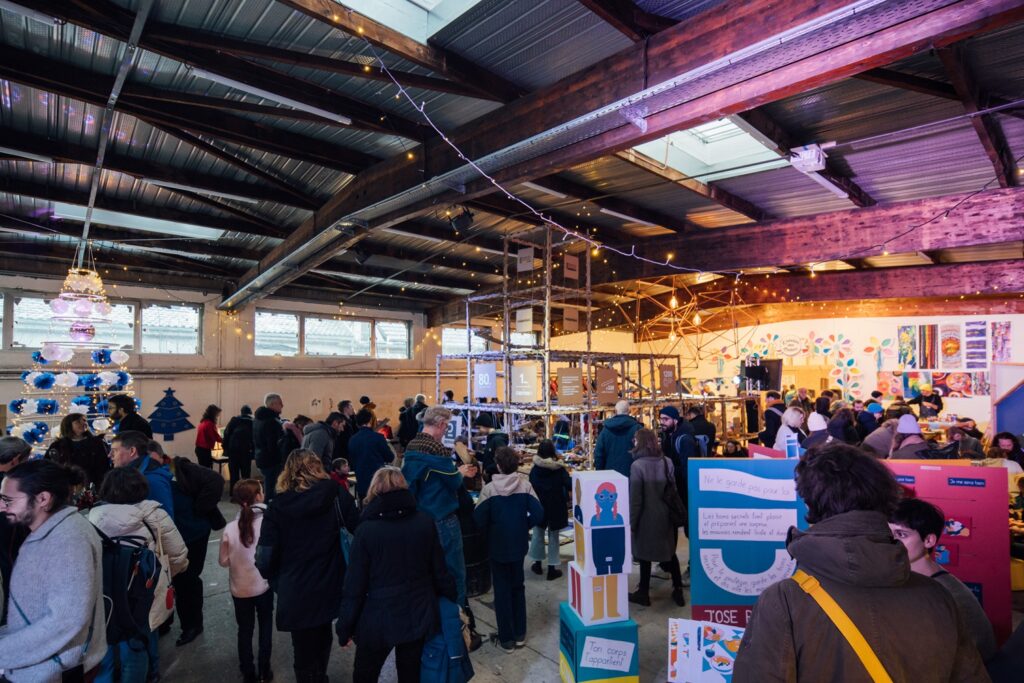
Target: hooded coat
pixel 507 510
pixel 320 438
pixel 300 554
pixel 266 434
pixel 396 574
pixel 553 486
pixel 238 438
pixel 879 442
pixel 614 443
pixel 139 520
pixel 160 480
pixel 910 621
pixel 433 478
pixel 654 535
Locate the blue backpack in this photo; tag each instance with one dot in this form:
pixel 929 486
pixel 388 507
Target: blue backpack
pixel 130 574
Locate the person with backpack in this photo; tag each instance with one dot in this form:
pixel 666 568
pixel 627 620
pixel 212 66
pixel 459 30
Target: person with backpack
pixel 655 533
pixel 704 432
pixel 300 553
pixel 197 490
pixel 125 514
pixel 250 592
pixel 238 446
pixel 396 574
pixel 55 622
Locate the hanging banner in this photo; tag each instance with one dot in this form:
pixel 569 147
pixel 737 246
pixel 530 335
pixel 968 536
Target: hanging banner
pixel 451 433
pixel 740 513
pixel 524 260
pixel 570 385
pixel 973 546
pixel 607 385
pixel 950 345
pixel 485 384
pixel 667 373
pixel 928 347
pixel 572 267
pixel 524 383
pixel 570 319
pixel 524 320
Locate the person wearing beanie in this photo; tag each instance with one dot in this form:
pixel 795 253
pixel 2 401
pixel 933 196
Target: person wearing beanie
pixel 930 402
pixel 867 419
pixel 817 425
pixel 908 444
pixel 239 446
pixel 678 445
pixel 367 404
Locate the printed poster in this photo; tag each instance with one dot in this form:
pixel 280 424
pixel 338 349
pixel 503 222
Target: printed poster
pixel 1001 342
pixel 571 267
pixel 740 513
pixel 667 374
pixel 982 385
pixel 524 260
pixel 976 345
pixel 953 384
pixel 950 347
pixel 570 319
pixel 485 383
pixel 607 385
pixel 570 385
pixel 973 500
pixel 701 651
pixel 890 384
pixel 906 336
pixel 524 320
pixel 524 383
pixel 928 347
pixel 912 382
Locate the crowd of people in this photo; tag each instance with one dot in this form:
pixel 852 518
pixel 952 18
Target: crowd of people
pixel 385 561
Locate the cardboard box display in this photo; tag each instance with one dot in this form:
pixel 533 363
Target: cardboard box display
pixel 600 551
pixel 602 652
pixel 598 599
pixel 600 498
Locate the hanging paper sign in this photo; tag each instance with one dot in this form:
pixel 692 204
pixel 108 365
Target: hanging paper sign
pixel 451 433
pixel 524 260
pixel 572 267
pixel 570 385
pixel 607 385
pixel 524 383
pixel 570 319
pixel 668 378
pixel 484 380
pixel 524 320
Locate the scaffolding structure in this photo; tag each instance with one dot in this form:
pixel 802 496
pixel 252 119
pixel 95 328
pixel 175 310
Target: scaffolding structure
pixel 524 287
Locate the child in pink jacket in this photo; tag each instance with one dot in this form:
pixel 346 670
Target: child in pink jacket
pixel 249 590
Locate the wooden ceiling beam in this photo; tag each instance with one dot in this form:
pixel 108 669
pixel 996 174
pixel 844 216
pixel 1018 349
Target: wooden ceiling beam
pixel 887 35
pixel 991 217
pixel 442 62
pixel 758 122
pixel 986 126
pixel 66 80
pixel 362 70
pixel 713 193
pixel 628 19
pixel 928 86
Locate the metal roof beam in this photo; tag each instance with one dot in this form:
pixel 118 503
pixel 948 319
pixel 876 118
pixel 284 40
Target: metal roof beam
pixel 367 71
pixel 987 127
pixel 928 86
pixel 628 19
pixel 616 205
pixel 440 61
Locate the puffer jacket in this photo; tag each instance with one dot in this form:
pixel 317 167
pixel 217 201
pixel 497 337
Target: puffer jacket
pixel 507 510
pixel 909 620
pixel 614 443
pixel 553 485
pixel 143 519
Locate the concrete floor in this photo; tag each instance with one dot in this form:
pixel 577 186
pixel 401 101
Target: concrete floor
pixel 213 656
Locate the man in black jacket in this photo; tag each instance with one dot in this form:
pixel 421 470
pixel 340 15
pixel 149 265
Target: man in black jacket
pixel 368 451
pixel 266 434
pixel 121 411
pixel 772 418
pixel 703 428
pixel 238 445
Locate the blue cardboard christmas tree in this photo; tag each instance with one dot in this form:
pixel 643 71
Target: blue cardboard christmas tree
pixel 168 418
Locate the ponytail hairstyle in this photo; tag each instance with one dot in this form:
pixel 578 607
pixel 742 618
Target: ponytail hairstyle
pixel 244 495
pixel 45 476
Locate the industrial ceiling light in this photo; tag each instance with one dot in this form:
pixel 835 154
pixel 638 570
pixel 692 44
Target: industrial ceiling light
pixel 545 190
pixel 267 95
pixel 26 155
pixel 626 217
pixel 200 190
pixel 119 219
pixel 462 221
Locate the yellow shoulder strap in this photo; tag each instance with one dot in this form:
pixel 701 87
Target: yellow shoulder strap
pixel 860 646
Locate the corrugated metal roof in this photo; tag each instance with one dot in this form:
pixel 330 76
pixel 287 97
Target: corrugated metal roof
pixel 785 193
pixel 531 42
pixel 677 9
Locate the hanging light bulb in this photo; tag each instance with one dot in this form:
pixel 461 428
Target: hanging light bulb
pixel 674 302
pixel 672 335
pixel 696 318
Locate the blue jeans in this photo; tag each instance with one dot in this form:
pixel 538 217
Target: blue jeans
pixel 537 545
pixel 509 600
pixel 449 532
pixel 134 662
pixel 270 475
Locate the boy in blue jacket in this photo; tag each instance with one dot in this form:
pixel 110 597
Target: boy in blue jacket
pixel 508 508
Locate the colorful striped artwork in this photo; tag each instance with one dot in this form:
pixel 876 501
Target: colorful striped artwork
pixel 907 339
pixel 1001 342
pixel 928 347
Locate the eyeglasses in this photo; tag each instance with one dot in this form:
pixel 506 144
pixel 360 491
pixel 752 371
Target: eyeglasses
pixel 7 500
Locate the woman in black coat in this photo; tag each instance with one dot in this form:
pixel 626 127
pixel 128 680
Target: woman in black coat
pixel 393 582
pixel 553 486
pixel 238 445
pixel 78 447
pixel 299 552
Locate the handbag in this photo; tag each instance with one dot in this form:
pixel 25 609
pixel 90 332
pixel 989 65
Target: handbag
pixel 163 596
pixel 344 535
pixel 670 496
pixel 847 628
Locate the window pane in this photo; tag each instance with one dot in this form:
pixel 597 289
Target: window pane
pixel 523 338
pixel 170 329
pixel 453 341
pixel 32 325
pixel 277 333
pixel 330 337
pixel 392 339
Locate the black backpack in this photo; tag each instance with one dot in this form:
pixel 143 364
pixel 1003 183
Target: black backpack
pixel 130 573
